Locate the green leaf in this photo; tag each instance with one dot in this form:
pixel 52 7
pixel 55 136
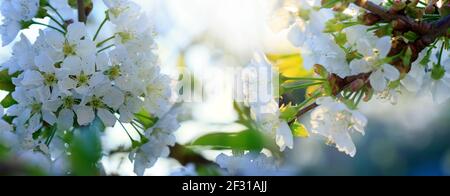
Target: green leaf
pixel 73 3
pixel 245 140
pixel 332 26
pixel 411 36
pixel 6 82
pixel 8 101
pixel 329 3
pixel 146 119
pixel 394 84
pixel 208 170
pixel 299 130
pixel 340 38
pixel 438 72
pixel 426 59
pixel 42 13
pixel 383 30
pixel 304 14
pixel 43 2
pixel 243 114
pixel 407 57
pixel 86 149
pixel 25 24
pixel 299 85
pixel 289 112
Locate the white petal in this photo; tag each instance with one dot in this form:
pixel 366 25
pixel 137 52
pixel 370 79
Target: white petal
pixel 344 143
pixel 86 48
pixel 31 77
pixel 98 79
pixel 75 32
pixel 378 81
pixel 359 66
pixel 85 115
pixel 108 119
pixel 55 39
pixel 284 137
pixel 125 115
pixel 72 65
pixel 102 62
pixel 45 63
pixel 139 166
pixel 34 123
pixel 411 83
pixel 49 117
pixel 63 8
pixel 297 34
pixel 9 31
pixel 390 72
pixel 365 47
pixel 359 121
pixel 4 126
pixel 52 105
pixel 440 91
pixel 67 84
pixel 114 98
pixel 384 46
pixel 65 119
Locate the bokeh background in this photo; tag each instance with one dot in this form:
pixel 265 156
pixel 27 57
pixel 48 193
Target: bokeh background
pixel 207 36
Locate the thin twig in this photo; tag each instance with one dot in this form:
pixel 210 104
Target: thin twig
pixel 81 11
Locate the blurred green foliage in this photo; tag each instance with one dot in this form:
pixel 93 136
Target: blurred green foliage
pixel 86 149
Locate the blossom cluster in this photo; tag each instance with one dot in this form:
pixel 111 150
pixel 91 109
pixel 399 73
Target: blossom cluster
pixel 68 78
pixel 249 164
pixel 331 35
pixel 259 83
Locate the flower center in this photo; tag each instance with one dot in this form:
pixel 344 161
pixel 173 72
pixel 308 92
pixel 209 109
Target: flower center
pixel 58 65
pixel 35 107
pixel 125 36
pixel 114 72
pixel 49 79
pixel 68 49
pixel 83 79
pixel 68 102
pixel 116 11
pixel 96 102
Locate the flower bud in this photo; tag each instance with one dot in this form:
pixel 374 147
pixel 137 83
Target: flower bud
pixel 369 19
pixel 320 70
pixel 431 7
pixel 398 5
pixel 445 9
pixel 357 85
pixel 399 25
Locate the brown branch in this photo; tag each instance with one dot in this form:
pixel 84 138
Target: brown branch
pixel 81 11
pixel 186 156
pixel 304 111
pixel 429 33
pixel 432 31
pixel 354 83
pixel 438 29
pixel 178 152
pixel 376 9
pixel 400 21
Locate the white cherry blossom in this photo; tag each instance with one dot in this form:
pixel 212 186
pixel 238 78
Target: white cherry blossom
pixel 334 121
pixel 247 164
pixel 15 12
pixel 4 126
pixel 374 51
pixel 260 97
